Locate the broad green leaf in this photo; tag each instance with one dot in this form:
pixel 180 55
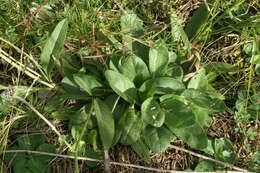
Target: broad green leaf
pixel 78 115
pixel 22 166
pixel 30 142
pixel 68 64
pixel 53 46
pixel 118 114
pixel 105 122
pixel 142 150
pixel 211 76
pixel 37 166
pixel 203 100
pixel 152 113
pixel 135 69
pixel 81 148
pixel 147 89
pixel 221 67
pixel 89 83
pixel 175 71
pixel 158 139
pixel 76 131
pixel 210 148
pixel 167 85
pixel 199 81
pixel 198 97
pixel 131 26
pixel 224 151
pixel 198 19
pixel 180 119
pixel 64 113
pixel 45 148
pixel 122 86
pixel 53 104
pixel 93 154
pixel 158 60
pixel 131 126
pixel 73 89
pixel 92 138
pixel 14 158
pixel 172 96
pixel 112 101
pixel 172 57
pixel 202 116
pixel 177 31
pixel 204 165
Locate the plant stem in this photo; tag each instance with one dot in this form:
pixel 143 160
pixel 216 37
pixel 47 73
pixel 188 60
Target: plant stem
pixel 106 162
pixel 80 137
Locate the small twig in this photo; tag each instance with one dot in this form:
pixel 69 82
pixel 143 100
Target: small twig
pixel 208 158
pixel 112 163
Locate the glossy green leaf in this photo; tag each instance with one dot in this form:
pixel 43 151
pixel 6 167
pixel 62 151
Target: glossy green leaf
pixel 135 69
pixel 131 126
pixel 172 96
pixel 73 90
pixel 142 150
pixel 147 89
pixel 112 101
pixel 152 113
pixel 175 71
pixel 198 97
pixel 89 83
pixel 202 116
pixel 158 60
pixel 180 119
pixel 158 139
pixel 198 19
pixel 168 85
pixel 105 122
pixel 122 86
pixel 53 46
pixel 199 81
pixel 203 100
